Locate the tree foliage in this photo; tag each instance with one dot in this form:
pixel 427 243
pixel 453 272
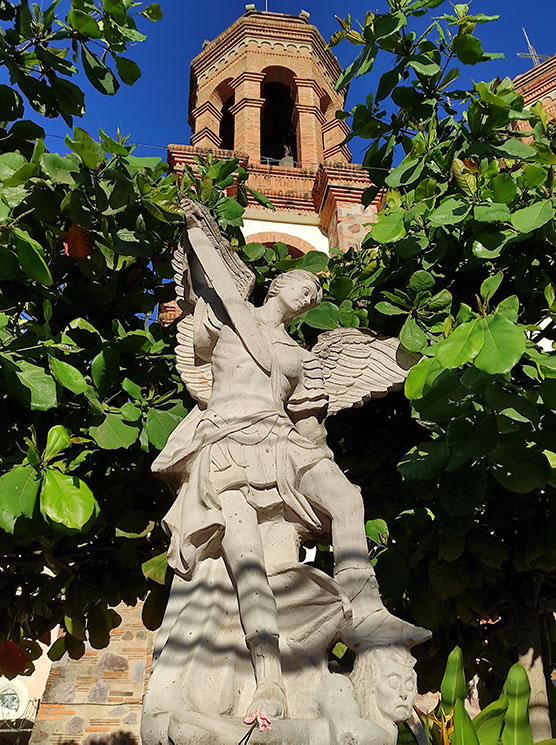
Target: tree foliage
pixel 464 258
pixel 89 390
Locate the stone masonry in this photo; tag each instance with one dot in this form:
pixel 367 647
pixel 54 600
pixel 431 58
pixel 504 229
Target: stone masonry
pixel 97 700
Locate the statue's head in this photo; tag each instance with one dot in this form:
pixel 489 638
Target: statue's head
pixel 394 682
pixel 297 292
pixel 385 684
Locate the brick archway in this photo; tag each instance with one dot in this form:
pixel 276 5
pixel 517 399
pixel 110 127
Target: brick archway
pixel 296 246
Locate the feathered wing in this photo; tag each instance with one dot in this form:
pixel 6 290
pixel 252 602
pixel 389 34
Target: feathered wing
pixel 195 372
pixel 358 365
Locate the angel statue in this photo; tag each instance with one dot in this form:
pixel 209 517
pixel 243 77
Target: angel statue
pixel 248 627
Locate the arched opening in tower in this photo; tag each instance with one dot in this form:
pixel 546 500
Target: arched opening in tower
pixel 227 125
pixel 224 99
pixel 278 135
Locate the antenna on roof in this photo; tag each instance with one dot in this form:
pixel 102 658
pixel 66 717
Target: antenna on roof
pixel 532 54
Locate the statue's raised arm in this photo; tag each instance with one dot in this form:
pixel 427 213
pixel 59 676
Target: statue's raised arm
pixel 214 264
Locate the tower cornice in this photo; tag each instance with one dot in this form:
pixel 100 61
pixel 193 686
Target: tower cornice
pixel 261 27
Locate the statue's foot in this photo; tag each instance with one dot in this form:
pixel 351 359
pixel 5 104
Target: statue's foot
pixel 380 628
pixel 269 700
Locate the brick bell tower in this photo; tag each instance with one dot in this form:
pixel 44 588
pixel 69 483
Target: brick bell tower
pixel 263 90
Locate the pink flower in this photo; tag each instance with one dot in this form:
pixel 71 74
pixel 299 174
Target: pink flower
pixel 259 718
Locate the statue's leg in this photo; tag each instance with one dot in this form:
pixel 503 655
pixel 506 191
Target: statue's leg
pixel 325 486
pixel 243 553
pixel 330 491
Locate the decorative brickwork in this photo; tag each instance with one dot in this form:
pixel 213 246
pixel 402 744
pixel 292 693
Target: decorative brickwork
pixel 539 84
pixel 296 246
pixel 97 700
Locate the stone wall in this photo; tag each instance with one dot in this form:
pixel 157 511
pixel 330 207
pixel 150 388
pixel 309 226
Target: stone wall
pixel 97 700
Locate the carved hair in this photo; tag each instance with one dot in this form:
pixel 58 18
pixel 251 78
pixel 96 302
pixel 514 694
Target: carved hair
pixel 298 275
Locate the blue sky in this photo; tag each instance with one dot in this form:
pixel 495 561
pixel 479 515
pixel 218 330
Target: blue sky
pixel 154 110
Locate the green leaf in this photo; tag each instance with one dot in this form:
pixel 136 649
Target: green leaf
pixel 388 309
pixel 154 607
pixel 464 732
pixel 134 390
pixel 104 370
pixel 31 257
pixel 533 176
pixel 59 168
pixel 114 433
pixel 424 66
pixel 18 493
pixel 519 469
pixel 75 627
pixel 424 461
pixel 503 188
pixel 517 728
pixel 509 307
pixel 421 281
pixel 99 625
pixel 324 316
pixel 66 500
pixel 57 650
pixel 489 721
pixel 159 425
pixel 31 385
pixel 68 376
pixel 533 217
pixel 84 23
pixel 152 12
pixel 503 346
pixel 389 228
pixel 341 288
pixel 155 568
pixel 453 686
pixel 493 212
pixel 11 104
pixel 130 412
pixel 90 152
pixel 128 70
pixel 312 261
pixel 411 336
pixel 463 345
pixel 514 149
pixel 9 164
pixel 254 251
pixel 406 173
pixel 57 440
pixel 377 531
pixel 468 49
pixel 450 212
pixel 420 375
pixel 490 285
pixel 99 74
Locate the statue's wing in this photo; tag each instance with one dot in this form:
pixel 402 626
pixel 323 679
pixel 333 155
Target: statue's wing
pixel 195 372
pixel 358 365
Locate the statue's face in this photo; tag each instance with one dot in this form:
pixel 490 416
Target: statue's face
pixel 396 687
pixel 297 296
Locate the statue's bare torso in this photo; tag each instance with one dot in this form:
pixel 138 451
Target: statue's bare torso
pixel 240 387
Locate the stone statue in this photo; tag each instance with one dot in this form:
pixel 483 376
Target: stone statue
pixel 248 627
